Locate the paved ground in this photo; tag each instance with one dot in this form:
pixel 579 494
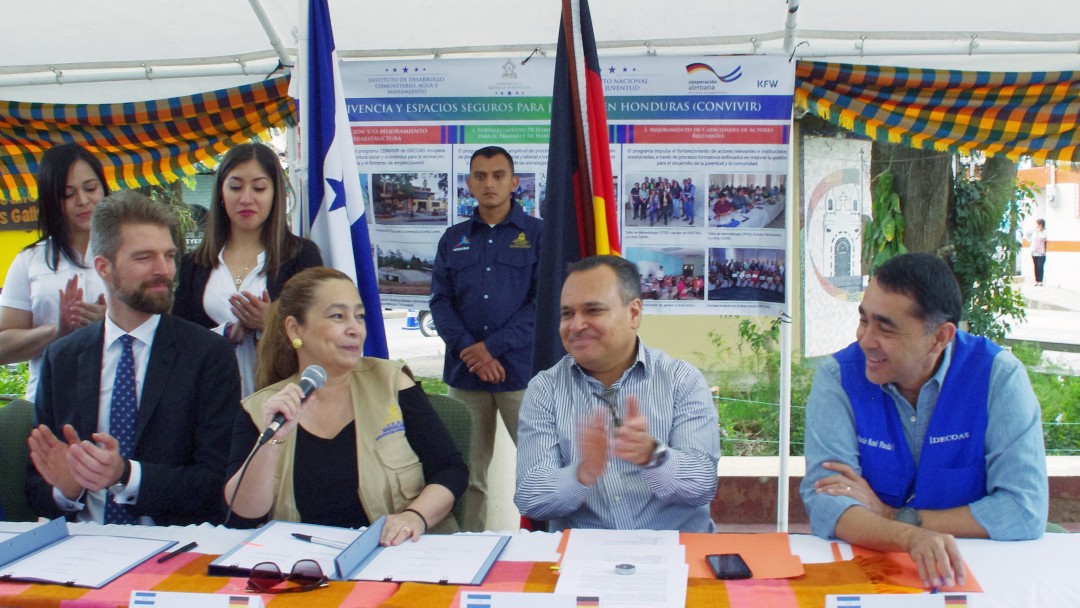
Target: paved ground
pixel 1053 321
pixel 424 355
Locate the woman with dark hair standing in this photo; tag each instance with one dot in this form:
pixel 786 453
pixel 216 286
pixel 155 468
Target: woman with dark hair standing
pixel 246 256
pixel 51 288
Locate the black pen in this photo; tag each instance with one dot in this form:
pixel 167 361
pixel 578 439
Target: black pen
pixel 320 541
pixel 172 554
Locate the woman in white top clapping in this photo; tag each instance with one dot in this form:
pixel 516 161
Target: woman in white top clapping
pixel 51 288
pixel 246 256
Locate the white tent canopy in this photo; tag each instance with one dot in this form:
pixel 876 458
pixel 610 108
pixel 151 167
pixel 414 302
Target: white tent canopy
pixel 126 50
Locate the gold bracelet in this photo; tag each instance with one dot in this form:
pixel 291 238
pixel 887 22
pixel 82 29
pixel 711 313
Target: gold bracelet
pixel 276 441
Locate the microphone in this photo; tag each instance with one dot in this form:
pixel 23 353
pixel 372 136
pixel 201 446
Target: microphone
pixel 311 380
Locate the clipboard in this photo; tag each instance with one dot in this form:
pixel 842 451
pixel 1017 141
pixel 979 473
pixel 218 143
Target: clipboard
pixel 276 535
pixel 41 541
pixel 348 563
pixel 364 551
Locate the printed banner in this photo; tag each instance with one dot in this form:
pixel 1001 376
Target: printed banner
pixel 699 156
pixel 836 194
pixel 19 214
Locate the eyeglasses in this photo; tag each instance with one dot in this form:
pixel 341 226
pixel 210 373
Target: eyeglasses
pixel 606 398
pixel 266 576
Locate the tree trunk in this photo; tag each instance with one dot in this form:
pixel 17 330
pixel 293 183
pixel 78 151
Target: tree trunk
pixel 999 175
pixel 922 180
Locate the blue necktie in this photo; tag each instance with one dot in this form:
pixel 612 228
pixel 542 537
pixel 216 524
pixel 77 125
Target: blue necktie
pixel 123 412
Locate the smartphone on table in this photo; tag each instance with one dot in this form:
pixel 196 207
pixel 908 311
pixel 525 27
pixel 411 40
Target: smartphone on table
pixel 729 566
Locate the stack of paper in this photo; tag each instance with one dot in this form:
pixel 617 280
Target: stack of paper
pixel 659 568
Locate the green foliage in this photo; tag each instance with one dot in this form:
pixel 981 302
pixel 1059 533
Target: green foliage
pixel 13 379
pixel 432 386
pixel 983 249
pixel 172 195
pixel 884 236
pixel 746 384
pixel 1059 395
pixel 760 341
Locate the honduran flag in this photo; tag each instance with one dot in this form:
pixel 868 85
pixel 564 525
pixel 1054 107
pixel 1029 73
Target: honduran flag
pixel 579 213
pixel 335 217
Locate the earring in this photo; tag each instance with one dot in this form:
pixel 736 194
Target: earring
pixel 297 343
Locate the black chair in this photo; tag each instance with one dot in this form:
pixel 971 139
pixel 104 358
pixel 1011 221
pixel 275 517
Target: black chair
pixel 16 420
pixel 456 417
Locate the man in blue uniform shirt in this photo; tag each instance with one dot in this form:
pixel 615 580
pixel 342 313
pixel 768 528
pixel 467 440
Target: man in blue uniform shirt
pixel 919 432
pixel 483 298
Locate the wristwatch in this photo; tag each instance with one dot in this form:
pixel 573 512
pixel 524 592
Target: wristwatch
pixel 118 488
pixel 659 455
pixel 907 515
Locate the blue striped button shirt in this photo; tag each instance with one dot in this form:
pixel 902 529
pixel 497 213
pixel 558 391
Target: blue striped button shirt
pixel 679 411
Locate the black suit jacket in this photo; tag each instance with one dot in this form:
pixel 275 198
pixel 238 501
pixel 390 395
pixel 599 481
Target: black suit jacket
pixel 188 402
pixel 192 282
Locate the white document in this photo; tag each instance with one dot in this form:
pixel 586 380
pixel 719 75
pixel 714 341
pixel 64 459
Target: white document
pixel 902 600
pixel 611 538
pixel 813 550
pixel 650 586
pixel 275 543
pixel 84 561
pixel 162 599
pixel 528 546
pixel 506 599
pixel 455 559
pixel 628 554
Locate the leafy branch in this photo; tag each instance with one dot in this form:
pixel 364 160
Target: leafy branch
pixel 884 236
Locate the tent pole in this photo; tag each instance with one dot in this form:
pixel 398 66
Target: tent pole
pixel 292 145
pixel 299 93
pixel 790 215
pixel 271 32
pixel 789 26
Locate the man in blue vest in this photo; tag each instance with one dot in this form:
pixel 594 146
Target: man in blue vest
pixel 918 432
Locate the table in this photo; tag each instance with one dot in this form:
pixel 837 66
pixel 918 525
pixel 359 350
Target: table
pixel 1017 574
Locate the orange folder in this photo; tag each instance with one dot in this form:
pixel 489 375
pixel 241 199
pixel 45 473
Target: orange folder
pixel 768 554
pixel 898 568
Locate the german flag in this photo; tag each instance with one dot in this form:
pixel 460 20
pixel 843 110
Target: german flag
pixel 579 211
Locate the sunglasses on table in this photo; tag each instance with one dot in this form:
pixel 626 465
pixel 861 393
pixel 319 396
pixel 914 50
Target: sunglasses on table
pixel 266 577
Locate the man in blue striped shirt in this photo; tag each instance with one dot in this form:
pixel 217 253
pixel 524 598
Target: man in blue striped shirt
pixel 616 435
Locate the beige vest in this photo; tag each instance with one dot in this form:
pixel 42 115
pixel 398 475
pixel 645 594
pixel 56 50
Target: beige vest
pixel 391 475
